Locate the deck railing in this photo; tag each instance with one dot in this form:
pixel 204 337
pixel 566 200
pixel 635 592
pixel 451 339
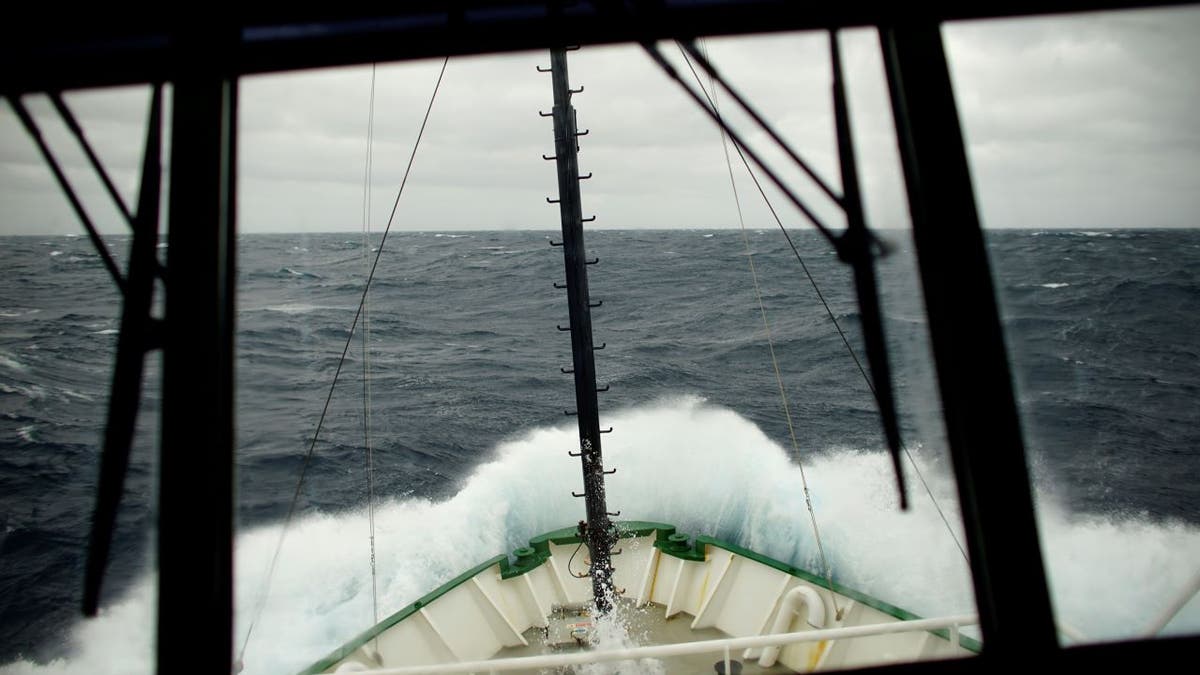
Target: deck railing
pixel 724 646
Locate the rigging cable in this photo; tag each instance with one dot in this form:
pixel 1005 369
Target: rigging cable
pixel 366 345
pixel 821 296
pixel 329 397
pixel 787 413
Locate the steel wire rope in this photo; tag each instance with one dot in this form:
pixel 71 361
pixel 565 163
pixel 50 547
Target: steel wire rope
pixel 345 349
pixel 366 345
pixel 821 296
pixel 787 413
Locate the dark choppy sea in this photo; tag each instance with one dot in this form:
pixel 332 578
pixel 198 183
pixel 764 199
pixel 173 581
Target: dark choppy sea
pixel 470 440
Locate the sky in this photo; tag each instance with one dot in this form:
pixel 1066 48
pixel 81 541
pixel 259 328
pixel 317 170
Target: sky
pixel 1086 121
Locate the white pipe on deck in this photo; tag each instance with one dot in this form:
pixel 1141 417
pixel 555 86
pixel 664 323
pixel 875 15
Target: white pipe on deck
pixel 800 595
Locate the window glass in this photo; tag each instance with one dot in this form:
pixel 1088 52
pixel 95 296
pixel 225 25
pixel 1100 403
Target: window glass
pixel 59 317
pixel 1083 142
pixel 464 366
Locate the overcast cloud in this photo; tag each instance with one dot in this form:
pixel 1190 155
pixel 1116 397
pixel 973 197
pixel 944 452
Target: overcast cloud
pixel 1082 122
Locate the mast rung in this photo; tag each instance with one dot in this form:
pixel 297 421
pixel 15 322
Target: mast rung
pixel 555 243
pixel 601 390
pixel 576 91
pixel 562 329
pixel 589 175
pixel 593 261
pixel 545 70
pixel 570 413
pixel 552 201
pixel 589 219
pixel 548 158
pixel 578 494
pixel 602 346
pixel 558 285
pixel 606 431
pixel 598 303
pixel 545 114
pixel 567 371
pixel 609 472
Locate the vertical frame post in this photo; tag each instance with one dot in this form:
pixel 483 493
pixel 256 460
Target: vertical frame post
pixel 972 366
pixel 195 599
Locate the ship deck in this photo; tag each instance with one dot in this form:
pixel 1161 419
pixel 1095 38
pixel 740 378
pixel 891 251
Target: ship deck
pixel 646 625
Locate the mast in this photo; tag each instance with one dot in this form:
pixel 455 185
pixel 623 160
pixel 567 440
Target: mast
pixel 599 531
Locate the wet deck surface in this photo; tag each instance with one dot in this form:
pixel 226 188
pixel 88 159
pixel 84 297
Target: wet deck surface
pixel 644 626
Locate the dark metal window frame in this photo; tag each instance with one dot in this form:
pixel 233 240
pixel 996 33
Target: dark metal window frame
pixel 202 59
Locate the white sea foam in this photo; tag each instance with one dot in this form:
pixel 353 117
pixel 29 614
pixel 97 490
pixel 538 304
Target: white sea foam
pixel 1055 285
pixel 8 360
pixel 702 468
pixel 292 308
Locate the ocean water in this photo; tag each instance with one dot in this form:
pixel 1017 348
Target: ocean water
pixel 470 442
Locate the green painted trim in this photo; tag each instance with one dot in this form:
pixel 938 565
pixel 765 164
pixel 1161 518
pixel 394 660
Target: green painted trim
pixel 969 643
pixel 676 546
pixel 366 636
pixel 570 535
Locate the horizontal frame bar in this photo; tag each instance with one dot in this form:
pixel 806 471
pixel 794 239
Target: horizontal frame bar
pixel 95 47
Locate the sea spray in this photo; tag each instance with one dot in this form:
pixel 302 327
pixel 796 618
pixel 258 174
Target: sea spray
pixel 613 631
pixel 701 467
